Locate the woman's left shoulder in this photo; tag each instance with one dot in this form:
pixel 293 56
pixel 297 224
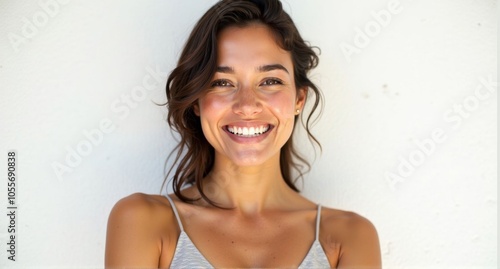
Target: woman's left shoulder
pixel 352 238
pixel 348 221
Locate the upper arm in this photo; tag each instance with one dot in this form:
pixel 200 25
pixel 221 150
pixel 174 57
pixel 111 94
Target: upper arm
pixel 131 240
pixel 361 247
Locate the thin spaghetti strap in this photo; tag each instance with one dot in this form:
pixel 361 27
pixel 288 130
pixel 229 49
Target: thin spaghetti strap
pixel 175 212
pixel 318 220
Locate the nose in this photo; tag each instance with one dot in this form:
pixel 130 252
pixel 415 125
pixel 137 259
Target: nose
pixel 247 102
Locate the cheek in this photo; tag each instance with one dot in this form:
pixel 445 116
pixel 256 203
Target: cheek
pixel 210 106
pixel 283 105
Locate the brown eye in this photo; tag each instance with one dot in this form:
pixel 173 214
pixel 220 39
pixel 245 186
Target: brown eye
pixel 272 81
pixel 221 83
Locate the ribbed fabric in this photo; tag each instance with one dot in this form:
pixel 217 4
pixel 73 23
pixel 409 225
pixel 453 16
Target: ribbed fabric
pixel 187 256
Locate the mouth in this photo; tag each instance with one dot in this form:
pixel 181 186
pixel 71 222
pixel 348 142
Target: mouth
pixel 253 131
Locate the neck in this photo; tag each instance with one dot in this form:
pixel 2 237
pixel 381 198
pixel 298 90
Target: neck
pixel 249 189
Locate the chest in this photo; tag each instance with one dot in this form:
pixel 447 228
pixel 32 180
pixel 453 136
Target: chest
pixel 277 240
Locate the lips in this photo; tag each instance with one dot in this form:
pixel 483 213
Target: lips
pixel 245 131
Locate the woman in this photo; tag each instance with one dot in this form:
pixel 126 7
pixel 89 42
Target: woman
pixel 235 97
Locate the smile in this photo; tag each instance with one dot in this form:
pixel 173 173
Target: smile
pixel 249 131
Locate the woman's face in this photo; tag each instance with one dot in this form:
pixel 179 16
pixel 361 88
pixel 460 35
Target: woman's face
pixel 247 113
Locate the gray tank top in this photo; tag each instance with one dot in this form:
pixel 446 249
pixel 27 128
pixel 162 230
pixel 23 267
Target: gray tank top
pixel 187 256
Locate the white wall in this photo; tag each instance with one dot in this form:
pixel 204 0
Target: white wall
pixel 66 71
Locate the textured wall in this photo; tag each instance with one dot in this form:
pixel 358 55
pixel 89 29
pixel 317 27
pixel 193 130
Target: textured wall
pixel 408 129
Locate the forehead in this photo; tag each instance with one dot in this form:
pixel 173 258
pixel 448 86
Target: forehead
pixel 254 44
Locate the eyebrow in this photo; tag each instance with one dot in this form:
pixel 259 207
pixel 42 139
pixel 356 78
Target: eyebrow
pixel 271 67
pixel 263 68
pixel 225 69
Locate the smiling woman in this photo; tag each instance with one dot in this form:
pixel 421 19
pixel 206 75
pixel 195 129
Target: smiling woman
pixel 252 90
pixel 235 98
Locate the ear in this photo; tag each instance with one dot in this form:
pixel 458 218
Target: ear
pixel 301 98
pixel 196 109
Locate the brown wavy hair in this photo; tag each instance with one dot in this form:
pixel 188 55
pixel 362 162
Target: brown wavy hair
pixel 196 67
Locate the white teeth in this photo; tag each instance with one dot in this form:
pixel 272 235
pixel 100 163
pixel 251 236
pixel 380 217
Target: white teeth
pixel 248 132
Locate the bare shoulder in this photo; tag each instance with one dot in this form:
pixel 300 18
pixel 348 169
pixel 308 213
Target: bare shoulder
pixel 140 208
pixel 349 222
pixel 149 212
pixel 139 228
pixel 140 203
pixel 352 238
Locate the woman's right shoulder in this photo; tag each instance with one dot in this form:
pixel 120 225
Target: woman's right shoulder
pixel 141 231
pixel 154 209
pixel 140 200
